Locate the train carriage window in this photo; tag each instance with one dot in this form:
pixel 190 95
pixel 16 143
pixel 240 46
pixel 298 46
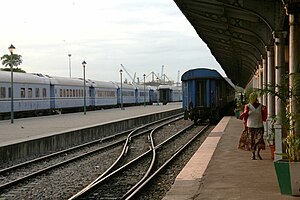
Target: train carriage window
pixel 74 93
pixel 44 92
pixel 2 92
pixel 37 92
pixel 67 92
pixel 61 92
pixel 29 92
pixel 22 92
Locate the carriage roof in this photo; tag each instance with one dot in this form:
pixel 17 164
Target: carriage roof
pixel 200 73
pixel 68 81
pixel 103 84
pixel 125 86
pixel 23 78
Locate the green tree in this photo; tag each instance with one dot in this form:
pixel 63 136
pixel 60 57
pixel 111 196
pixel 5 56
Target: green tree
pixel 17 69
pixel 11 60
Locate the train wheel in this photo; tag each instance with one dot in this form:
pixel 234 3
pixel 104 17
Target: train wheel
pixel 186 115
pixel 215 118
pixel 195 120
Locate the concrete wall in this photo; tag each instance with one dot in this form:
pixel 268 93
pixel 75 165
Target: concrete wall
pixel 63 140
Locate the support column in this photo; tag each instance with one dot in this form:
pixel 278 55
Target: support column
pixel 279 37
pixel 264 78
pixel 293 10
pixel 260 79
pixel 270 95
pixel 271 81
pixel 255 80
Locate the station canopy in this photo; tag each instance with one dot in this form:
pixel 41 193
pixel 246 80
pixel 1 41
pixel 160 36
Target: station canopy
pixel 237 32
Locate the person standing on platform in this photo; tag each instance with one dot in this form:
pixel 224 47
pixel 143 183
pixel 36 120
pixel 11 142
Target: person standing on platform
pixel 255 114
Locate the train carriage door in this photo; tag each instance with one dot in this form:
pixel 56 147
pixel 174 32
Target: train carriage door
pixel 213 94
pixel 53 96
pixel 92 94
pixel 136 95
pixel 185 94
pixel 201 93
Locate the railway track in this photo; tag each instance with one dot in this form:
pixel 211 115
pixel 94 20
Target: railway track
pixel 125 181
pixel 34 173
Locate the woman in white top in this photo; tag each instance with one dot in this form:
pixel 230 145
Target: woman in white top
pixel 255 114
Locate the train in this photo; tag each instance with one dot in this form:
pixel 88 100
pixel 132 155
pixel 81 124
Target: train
pixel 35 94
pixel 206 95
pixel 167 93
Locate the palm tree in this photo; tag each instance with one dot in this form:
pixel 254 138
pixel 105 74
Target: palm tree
pixel 17 69
pixel 11 60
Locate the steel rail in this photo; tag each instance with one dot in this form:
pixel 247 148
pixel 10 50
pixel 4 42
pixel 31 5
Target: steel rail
pixel 109 172
pixel 44 170
pixel 180 149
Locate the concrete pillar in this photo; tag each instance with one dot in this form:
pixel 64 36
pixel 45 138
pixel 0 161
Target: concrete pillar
pixel 279 37
pixel 260 79
pixel 270 95
pixel 293 10
pixel 255 80
pixel 264 78
pixel 271 81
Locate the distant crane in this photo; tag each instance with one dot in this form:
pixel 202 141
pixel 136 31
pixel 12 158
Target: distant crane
pixel 153 74
pixel 132 79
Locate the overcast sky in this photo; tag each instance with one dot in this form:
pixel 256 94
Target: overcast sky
pixel 142 35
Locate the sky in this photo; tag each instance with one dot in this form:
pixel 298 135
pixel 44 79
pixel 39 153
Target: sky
pixel 142 35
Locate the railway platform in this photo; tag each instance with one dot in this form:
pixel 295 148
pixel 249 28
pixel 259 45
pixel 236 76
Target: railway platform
pixel 221 171
pixel 41 135
pixel 35 127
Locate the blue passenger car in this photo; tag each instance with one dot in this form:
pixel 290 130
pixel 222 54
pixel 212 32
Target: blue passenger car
pixel 67 94
pixel 103 94
pixel 152 94
pixel 206 94
pixel 31 92
pixel 168 93
pixel 128 94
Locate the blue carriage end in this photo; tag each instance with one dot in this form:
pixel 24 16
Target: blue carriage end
pixel 200 73
pixel 206 94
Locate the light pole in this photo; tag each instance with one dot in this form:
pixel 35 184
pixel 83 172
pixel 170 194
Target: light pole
pixel 11 49
pixel 70 65
pixel 121 91
pixel 144 90
pixel 84 94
